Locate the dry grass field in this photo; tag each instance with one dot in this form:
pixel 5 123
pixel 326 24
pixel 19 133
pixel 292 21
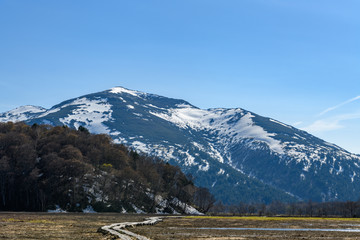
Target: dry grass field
pixel 58 225
pixel 188 228
pixel 84 226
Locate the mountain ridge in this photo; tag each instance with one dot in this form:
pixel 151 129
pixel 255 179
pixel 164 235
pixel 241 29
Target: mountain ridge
pixel 244 153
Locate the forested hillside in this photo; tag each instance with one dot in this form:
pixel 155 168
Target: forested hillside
pixel 43 166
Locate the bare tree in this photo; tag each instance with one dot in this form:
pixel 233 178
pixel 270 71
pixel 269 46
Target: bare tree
pixel 204 199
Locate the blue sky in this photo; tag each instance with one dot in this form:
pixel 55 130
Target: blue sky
pixel 295 61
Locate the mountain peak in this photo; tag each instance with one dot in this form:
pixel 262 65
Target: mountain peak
pixel 121 90
pixel 233 152
pixel 21 113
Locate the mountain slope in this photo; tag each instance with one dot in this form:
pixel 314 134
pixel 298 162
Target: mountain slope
pixel 237 154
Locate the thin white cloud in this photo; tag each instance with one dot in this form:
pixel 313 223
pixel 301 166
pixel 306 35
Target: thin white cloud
pixel 297 123
pixel 330 124
pixel 339 105
pixel 323 126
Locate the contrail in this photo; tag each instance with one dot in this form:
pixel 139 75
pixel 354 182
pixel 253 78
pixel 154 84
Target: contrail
pixel 339 105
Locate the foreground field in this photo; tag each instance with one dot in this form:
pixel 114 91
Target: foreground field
pixel 84 226
pixel 189 228
pixel 58 225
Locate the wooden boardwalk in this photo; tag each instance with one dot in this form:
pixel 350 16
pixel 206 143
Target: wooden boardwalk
pixel 119 229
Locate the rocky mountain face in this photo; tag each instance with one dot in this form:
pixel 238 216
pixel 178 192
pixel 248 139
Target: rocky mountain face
pixel 237 154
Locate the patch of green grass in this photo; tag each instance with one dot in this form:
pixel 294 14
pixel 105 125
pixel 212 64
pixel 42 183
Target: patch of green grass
pixel 27 220
pixel 257 218
pixel 11 220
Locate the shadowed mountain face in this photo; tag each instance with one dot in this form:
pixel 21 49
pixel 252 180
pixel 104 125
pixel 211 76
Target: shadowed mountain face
pixel 237 154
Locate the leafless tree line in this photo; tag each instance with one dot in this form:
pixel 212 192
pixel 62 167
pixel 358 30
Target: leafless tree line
pixel 302 208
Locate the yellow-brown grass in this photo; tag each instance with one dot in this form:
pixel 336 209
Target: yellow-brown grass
pixel 264 218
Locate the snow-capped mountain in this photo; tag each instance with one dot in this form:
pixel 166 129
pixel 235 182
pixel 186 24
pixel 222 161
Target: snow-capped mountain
pixel 237 154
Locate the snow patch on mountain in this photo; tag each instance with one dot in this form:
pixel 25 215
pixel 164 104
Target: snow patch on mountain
pixel 92 113
pixel 280 123
pixel 184 117
pixel 52 110
pixel 153 106
pixel 115 133
pixel 209 150
pixel 188 159
pixel 308 154
pixel 120 90
pixel 22 113
pixel 166 153
pixel 204 167
pixel 120 140
pixel 353 176
pixel 233 123
pixel 141 146
pixel 215 153
pixel 245 128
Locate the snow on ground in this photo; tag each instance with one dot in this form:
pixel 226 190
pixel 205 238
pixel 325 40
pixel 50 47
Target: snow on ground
pixel 186 208
pixel 120 140
pixel 205 167
pixel 141 146
pixel 280 123
pixel 21 113
pixel 137 210
pixel 138 115
pixel 188 159
pixel 115 133
pixel 57 209
pixel 53 110
pixel 353 176
pixel 235 125
pixel 166 153
pixel 119 90
pixel 92 113
pixel 245 128
pixel 153 106
pixel 232 123
pixel 123 100
pixel 88 209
